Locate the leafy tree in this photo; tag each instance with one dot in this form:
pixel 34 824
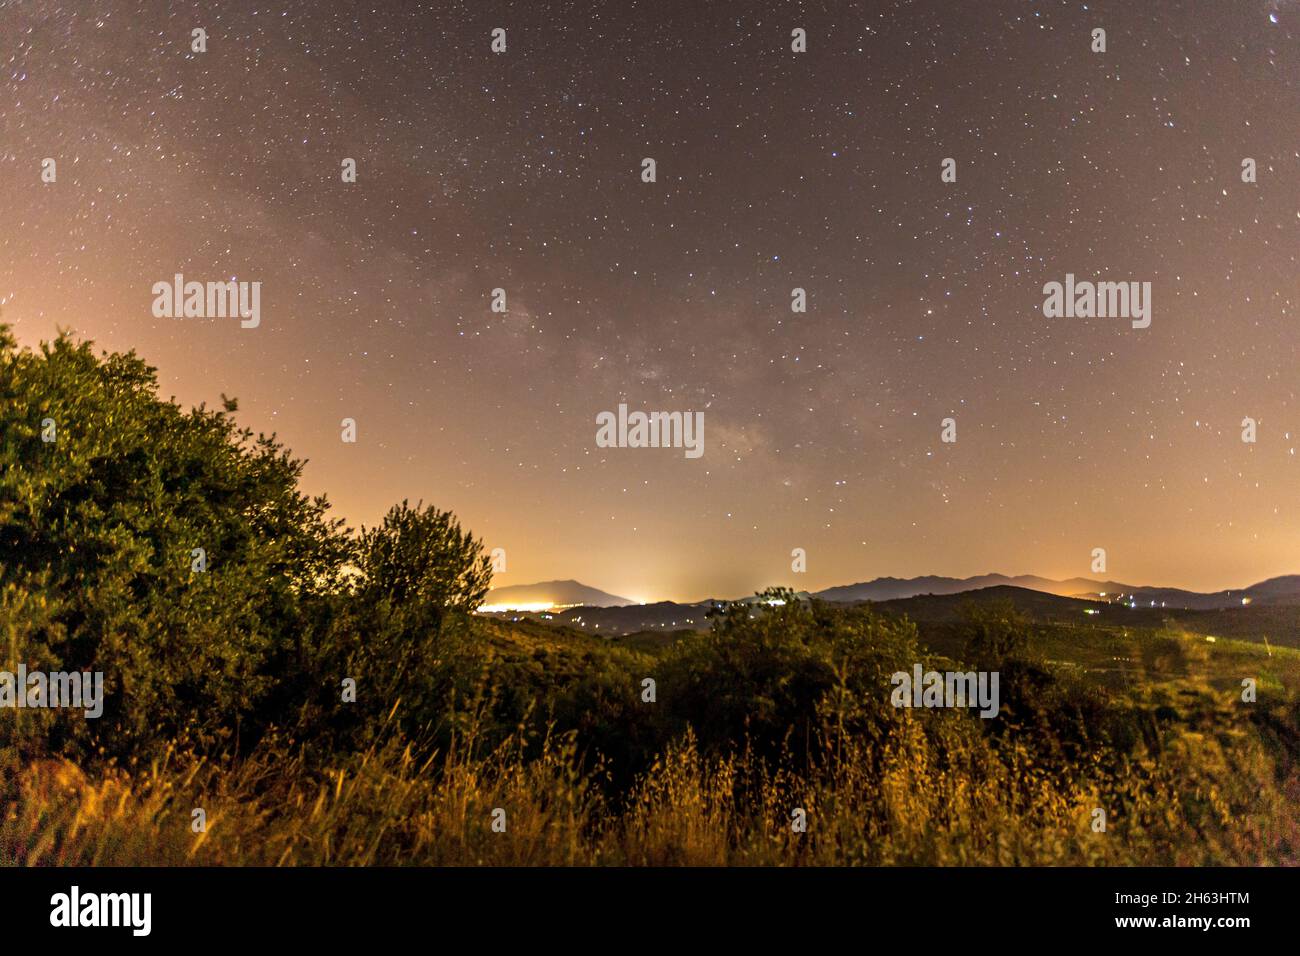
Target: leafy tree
pixel 422 566
pixel 104 523
pixel 403 634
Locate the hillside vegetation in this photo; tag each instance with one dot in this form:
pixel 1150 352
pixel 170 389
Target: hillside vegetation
pixel 325 696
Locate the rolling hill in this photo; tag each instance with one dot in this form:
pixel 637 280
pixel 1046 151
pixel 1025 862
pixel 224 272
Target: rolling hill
pixel 1271 611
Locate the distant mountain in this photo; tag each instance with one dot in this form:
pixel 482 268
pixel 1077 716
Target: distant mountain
pixel 891 589
pixel 1281 590
pixel 598 612
pixel 556 593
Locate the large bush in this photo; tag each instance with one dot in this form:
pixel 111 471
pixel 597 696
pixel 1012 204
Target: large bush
pixel 104 530
pixel 173 552
pixel 784 675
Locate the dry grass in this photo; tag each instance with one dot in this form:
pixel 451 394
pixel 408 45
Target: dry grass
pixel 388 807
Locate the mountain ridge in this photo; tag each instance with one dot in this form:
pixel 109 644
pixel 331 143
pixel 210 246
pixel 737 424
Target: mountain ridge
pixel 1282 589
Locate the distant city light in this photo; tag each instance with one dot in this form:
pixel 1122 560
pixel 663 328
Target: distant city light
pixel 525 608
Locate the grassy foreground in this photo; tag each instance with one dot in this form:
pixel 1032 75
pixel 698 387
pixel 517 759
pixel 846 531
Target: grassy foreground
pixel 1186 773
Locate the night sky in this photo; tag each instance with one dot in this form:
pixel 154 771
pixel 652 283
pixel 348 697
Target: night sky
pixel 775 170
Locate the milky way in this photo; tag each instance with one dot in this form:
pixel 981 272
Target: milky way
pixel 775 170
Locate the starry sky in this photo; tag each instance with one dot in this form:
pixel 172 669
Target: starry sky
pixel 775 170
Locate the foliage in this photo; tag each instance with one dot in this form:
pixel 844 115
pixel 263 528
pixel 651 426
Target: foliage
pixel 98 531
pixel 996 631
pixel 224 690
